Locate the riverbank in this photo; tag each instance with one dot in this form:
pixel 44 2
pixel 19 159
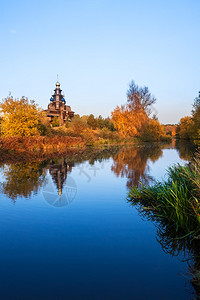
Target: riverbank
pixel 174 206
pixel 175 200
pixel 25 148
pixel 42 147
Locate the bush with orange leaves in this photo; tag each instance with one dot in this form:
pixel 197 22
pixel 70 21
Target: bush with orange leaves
pixel 39 146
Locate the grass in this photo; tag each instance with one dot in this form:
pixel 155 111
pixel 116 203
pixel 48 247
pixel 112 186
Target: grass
pixel 176 200
pixel 174 205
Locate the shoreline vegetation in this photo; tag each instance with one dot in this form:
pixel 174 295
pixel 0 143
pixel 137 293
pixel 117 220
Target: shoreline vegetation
pixel 176 199
pixel 26 127
pixel 18 149
pixel 174 206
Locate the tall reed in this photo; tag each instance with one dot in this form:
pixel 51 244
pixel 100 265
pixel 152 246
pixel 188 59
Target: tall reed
pixel 175 200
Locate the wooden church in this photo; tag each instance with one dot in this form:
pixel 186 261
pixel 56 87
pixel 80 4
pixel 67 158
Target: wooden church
pixel 58 107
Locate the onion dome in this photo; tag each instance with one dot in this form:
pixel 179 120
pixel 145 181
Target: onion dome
pixel 51 99
pixel 57 84
pixel 63 99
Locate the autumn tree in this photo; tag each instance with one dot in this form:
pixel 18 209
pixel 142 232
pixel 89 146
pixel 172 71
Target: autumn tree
pixel 152 130
pixel 140 99
pixel 184 128
pixel 19 117
pixel 78 125
pixel 131 117
pixel 195 127
pixel 189 127
pixel 128 122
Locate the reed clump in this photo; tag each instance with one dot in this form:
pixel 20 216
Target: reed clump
pixel 175 201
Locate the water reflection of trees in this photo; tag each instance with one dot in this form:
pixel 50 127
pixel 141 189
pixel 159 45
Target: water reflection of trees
pixel 25 179
pixel 22 179
pixel 185 149
pixel 132 163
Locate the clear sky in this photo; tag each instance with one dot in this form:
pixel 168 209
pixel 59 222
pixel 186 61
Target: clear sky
pixel 97 47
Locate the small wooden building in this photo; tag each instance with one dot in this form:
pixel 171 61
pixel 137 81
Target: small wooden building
pixel 58 107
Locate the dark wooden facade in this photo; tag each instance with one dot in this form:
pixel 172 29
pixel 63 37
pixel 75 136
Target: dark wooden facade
pixel 58 107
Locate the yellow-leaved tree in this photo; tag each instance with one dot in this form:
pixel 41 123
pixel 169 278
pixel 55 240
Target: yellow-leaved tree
pixel 129 119
pixel 128 122
pixel 19 117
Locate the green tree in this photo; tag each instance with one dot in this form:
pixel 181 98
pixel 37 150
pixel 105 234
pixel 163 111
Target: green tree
pixel 19 117
pixel 92 122
pixel 100 122
pixel 109 124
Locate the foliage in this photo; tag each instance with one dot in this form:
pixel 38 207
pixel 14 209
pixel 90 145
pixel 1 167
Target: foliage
pixel 105 133
pixel 189 127
pixel 38 146
pixel 105 123
pixel 139 98
pixel 78 125
pixel 44 126
pixel 174 206
pixel 131 118
pixel 89 137
pixel 152 131
pixel 128 122
pixel 170 129
pixel 195 127
pixel 55 122
pixel 175 200
pixel 92 122
pixel 184 128
pixel 20 117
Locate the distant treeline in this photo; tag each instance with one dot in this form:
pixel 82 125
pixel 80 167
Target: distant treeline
pixel 130 122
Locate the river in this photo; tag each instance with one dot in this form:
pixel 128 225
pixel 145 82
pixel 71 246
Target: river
pixel 68 232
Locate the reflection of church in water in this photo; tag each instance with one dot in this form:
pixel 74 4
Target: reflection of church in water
pixel 58 171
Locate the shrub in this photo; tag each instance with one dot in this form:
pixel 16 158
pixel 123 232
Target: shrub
pixel 151 131
pixel 55 122
pixel 89 137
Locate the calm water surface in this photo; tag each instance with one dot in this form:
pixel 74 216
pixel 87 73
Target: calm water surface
pixel 67 231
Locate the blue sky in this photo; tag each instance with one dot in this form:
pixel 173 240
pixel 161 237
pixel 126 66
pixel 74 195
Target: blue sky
pixel 97 47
